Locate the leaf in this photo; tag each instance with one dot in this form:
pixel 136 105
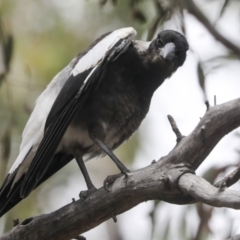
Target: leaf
pixel 211 174
pixel 138 15
pixel 102 2
pixel 166 231
pixel 153 29
pixel 225 4
pixel 213 68
pixel 163 14
pixel 182 22
pixel 165 11
pixel 133 3
pixel 160 8
pixel 8 49
pixel 229 56
pixel 183 225
pixel 114 2
pixel 204 213
pixel 237 134
pixel 201 77
pixel 152 216
pixel 6 145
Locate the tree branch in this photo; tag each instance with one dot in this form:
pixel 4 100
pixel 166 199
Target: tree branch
pixel 204 192
pixel 175 128
pixel 195 11
pixel 229 180
pixel 164 180
pixel 237 237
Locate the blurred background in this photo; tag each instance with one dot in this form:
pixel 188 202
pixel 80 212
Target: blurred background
pixel 39 38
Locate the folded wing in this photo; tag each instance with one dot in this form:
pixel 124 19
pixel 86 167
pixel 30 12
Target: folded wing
pixel 55 109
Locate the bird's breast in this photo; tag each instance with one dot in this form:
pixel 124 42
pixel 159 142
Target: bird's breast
pixel 112 112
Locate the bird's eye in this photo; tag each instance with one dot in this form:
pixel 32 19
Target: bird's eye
pixel 160 43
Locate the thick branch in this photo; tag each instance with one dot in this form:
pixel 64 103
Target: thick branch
pixel 161 180
pixel 216 123
pixel 204 192
pixel 195 11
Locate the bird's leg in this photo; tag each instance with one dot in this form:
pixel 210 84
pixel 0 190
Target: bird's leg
pixel 110 179
pixel 119 164
pixel 91 188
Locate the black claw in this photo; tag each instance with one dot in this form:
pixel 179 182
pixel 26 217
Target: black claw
pixel 108 182
pixel 126 174
pixel 111 179
pixel 26 221
pixel 15 222
pixel 84 195
pixel 106 186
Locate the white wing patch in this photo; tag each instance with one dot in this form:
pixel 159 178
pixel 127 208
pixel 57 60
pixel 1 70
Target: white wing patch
pixel 141 46
pixel 97 53
pixel 33 131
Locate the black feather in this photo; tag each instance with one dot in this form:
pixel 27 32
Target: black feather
pixel 60 117
pixel 9 201
pixel 106 102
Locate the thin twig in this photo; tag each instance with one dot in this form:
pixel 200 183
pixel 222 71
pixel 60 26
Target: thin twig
pixel 207 104
pixel 175 128
pixel 195 11
pixel 237 237
pixel 230 179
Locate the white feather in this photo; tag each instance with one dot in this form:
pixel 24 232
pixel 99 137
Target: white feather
pixel 141 46
pixel 33 131
pixel 97 53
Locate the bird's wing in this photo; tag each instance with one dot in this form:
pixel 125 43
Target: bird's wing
pixel 31 138
pixel 34 129
pixel 86 74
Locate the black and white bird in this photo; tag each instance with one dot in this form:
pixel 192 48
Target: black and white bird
pixel 91 107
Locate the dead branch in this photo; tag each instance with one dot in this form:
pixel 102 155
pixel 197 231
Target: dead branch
pixel 168 179
pixel 204 192
pixel 230 179
pixel 195 11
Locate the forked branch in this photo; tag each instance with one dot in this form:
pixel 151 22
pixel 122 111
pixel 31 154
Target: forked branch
pixel 170 179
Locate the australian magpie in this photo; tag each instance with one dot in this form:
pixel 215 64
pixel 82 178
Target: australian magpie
pixel 91 107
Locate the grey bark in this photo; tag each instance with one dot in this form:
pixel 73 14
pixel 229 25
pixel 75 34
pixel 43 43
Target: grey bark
pixel 170 179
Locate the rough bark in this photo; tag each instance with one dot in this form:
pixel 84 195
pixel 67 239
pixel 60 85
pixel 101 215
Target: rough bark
pixel 170 179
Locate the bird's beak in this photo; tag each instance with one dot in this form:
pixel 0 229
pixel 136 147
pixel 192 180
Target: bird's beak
pixel 168 51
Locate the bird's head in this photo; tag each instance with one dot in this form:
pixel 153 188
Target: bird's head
pixel 169 47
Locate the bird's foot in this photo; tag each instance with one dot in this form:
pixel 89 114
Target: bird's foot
pixel 85 195
pixel 26 221
pixel 111 179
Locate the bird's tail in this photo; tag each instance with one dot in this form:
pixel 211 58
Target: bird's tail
pixel 10 193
